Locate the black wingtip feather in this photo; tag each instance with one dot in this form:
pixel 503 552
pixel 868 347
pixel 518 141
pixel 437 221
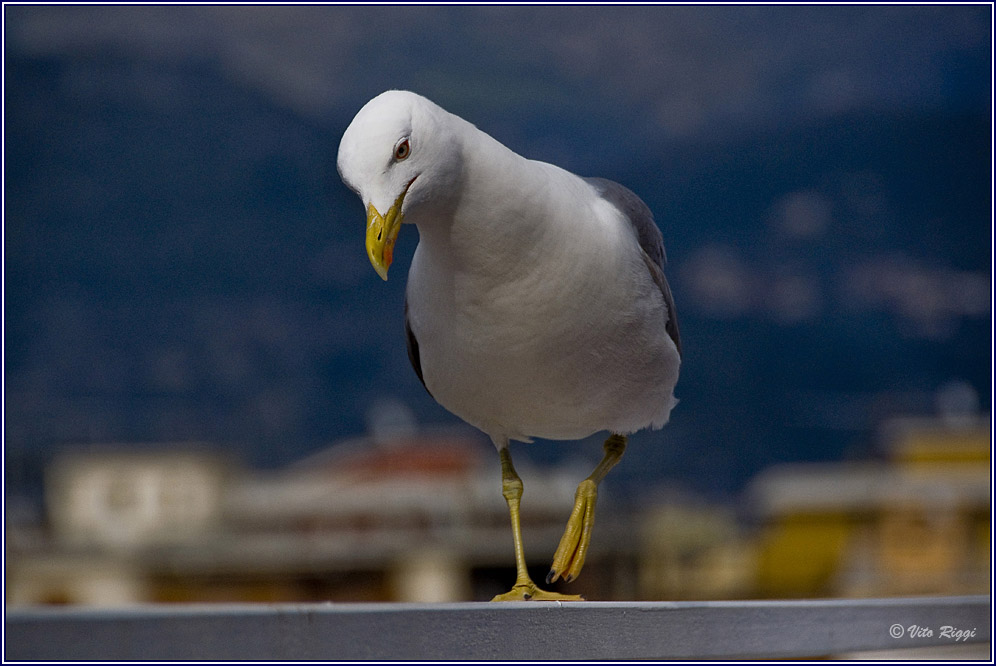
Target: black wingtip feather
pixel 413 355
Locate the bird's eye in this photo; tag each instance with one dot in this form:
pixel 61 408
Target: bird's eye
pixel 402 150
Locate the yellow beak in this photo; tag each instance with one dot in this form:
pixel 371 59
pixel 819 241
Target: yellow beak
pixel 382 232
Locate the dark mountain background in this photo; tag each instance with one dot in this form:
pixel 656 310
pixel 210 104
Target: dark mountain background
pixel 183 263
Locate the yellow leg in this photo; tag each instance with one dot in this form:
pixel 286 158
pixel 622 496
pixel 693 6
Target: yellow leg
pixel 573 548
pixel 524 589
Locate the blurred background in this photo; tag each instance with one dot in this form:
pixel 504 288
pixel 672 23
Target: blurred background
pixel 206 390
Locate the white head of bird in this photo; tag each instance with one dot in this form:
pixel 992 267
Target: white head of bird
pixel 386 158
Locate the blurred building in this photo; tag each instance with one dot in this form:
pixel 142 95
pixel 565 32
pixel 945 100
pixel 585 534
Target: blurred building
pixel 106 508
pixel 694 550
pixel 398 516
pixel 417 515
pixel 121 499
pixel 916 523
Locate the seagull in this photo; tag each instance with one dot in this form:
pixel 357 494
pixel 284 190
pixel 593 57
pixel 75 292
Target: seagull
pixel 536 304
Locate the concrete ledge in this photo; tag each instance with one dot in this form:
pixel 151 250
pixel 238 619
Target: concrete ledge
pixel 492 631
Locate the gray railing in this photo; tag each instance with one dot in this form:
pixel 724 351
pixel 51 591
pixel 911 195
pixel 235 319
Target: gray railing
pixel 497 631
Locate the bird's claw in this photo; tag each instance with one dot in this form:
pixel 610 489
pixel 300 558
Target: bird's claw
pixel 573 548
pixel 528 591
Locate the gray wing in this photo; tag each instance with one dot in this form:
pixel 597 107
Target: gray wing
pixel 412 343
pixel 650 239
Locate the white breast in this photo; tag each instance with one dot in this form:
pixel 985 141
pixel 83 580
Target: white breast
pixel 560 339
